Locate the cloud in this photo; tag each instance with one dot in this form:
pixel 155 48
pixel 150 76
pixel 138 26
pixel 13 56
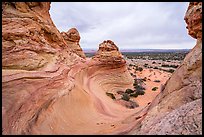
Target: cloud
pixel 128 24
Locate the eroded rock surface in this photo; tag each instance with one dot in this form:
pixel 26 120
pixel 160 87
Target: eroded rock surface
pixel 193 18
pixel 35 61
pixel 72 39
pixel 108 53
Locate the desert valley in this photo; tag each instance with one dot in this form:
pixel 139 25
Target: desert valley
pixel 51 86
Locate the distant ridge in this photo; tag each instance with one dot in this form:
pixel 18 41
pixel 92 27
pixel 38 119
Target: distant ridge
pixel 142 50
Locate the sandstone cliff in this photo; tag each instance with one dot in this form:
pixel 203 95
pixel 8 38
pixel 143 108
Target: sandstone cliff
pixel 178 108
pixel 72 39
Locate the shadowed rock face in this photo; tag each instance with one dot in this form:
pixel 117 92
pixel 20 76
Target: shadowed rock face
pixel 178 108
pixel 72 39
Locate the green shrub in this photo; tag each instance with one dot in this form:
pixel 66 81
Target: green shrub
pixel 155 67
pixel 138 88
pixel 166 65
pixel 145 65
pixel 144 79
pixel 171 70
pixel 125 97
pixel 135 82
pixel 110 95
pixel 174 66
pixel 154 88
pixel 140 92
pixel 140 69
pixel 128 91
pixel 157 81
pixel 134 94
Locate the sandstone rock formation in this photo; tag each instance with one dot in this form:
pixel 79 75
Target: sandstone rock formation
pixel 35 58
pixel 30 39
pixel 46 87
pixel 178 109
pixel 193 18
pixel 108 53
pixel 72 39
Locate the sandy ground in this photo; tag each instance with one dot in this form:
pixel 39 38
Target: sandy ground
pixel 151 75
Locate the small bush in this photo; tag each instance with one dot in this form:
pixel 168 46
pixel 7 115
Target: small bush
pixel 157 81
pixel 153 62
pixel 154 88
pixel 125 97
pixel 138 88
pixel 140 69
pixel 135 82
pixel 165 65
pixel 134 94
pixel 144 79
pixel 174 66
pixel 155 67
pixel 140 92
pixel 128 91
pixel 110 95
pixel 171 70
pixel 145 65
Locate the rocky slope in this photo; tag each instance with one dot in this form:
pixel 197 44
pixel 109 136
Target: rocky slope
pixel 178 108
pixel 72 39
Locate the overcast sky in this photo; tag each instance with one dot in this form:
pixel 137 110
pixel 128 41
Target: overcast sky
pixel 130 25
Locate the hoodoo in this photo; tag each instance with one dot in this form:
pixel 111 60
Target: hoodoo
pixel 72 39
